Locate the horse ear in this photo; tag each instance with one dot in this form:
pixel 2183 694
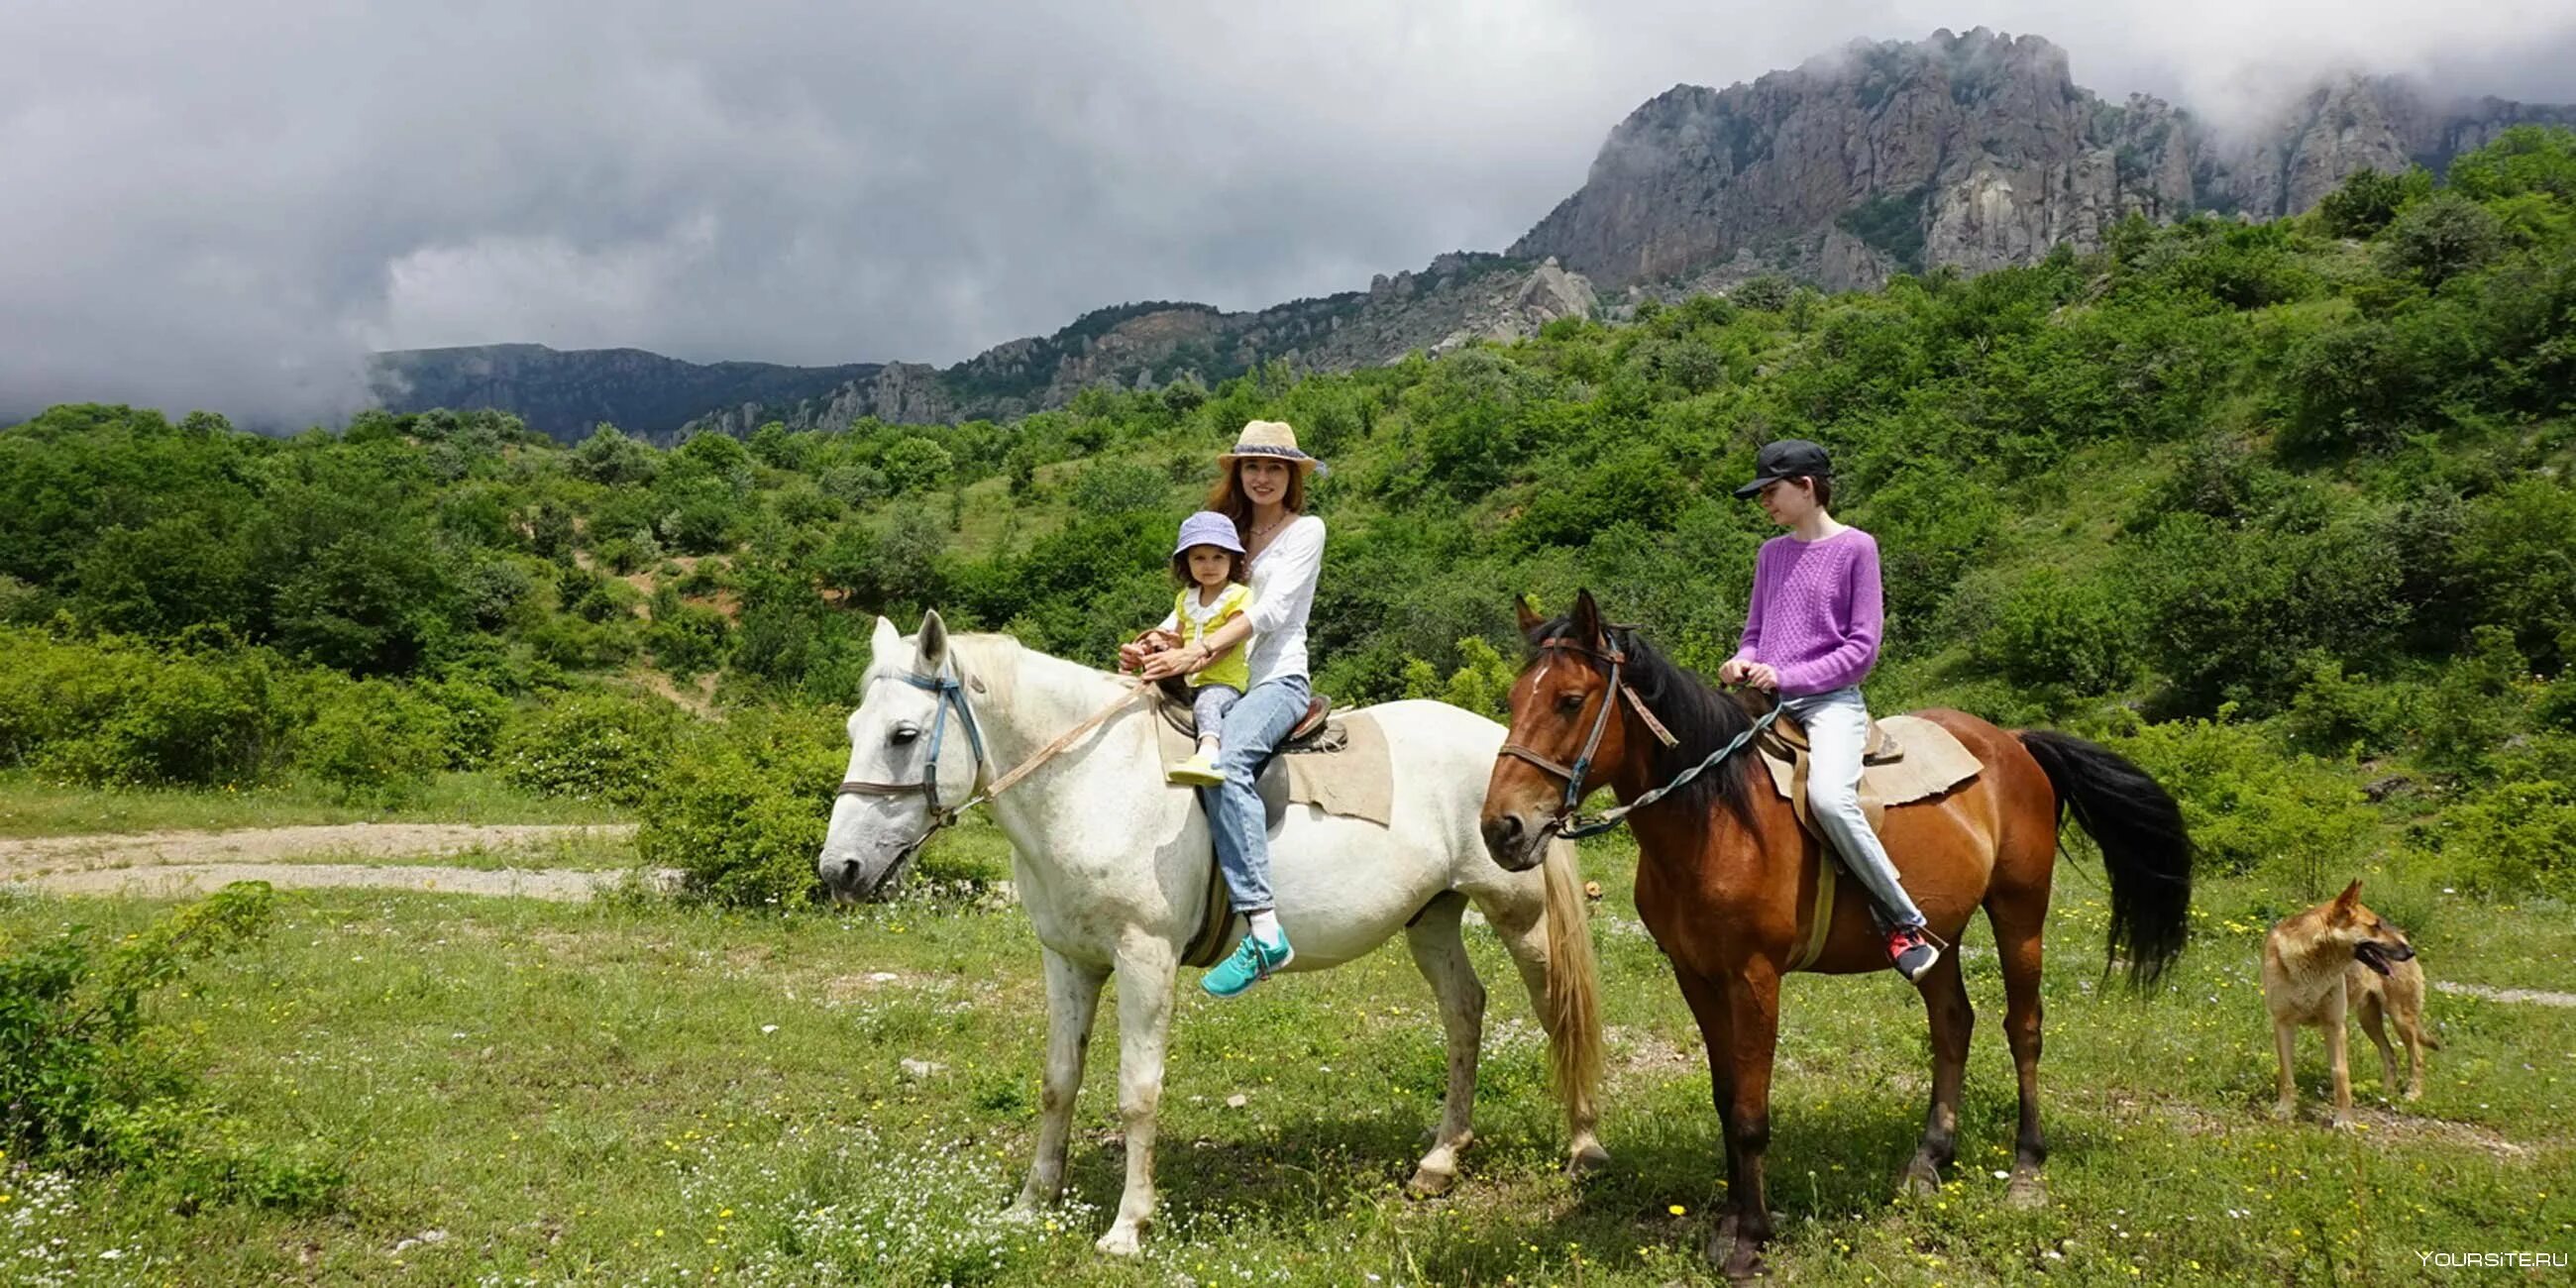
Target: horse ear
pixel 2344 903
pixel 1586 623
pixel 886 638
pixel 930 648
pixel 1529 619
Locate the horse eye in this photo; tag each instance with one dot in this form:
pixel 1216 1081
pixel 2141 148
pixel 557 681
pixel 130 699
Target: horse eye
pixel 904 734
pixel 1570 703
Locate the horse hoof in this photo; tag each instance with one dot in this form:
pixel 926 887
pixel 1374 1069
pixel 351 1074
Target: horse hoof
pixel 1586 1161
pixel 1921 1180
pixel 2026 1192
pixel 1428 1184
pixel 1738 1258
pixel 1121 1241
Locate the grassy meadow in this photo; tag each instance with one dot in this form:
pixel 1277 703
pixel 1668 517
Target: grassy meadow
pixel 637 1092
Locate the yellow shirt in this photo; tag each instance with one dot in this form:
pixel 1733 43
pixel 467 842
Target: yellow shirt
pixel 1195 622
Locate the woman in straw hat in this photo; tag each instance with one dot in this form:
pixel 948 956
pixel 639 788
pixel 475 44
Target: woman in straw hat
pixel 1263 490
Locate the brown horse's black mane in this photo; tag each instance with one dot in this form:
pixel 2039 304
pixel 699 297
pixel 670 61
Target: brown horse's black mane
pixel 1701 719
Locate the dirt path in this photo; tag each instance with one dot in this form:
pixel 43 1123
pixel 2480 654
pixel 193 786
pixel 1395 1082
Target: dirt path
pixel 293 858
pixel 2535 996
pixel 175 879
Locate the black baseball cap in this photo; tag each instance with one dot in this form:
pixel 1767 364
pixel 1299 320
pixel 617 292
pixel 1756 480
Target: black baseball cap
pixel 1787 458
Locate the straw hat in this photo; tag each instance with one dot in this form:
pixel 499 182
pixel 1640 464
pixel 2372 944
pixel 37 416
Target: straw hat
pixel 1271 438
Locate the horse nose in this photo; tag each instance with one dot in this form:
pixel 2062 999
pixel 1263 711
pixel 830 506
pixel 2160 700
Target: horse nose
pixel 841 872
pixel 1503 835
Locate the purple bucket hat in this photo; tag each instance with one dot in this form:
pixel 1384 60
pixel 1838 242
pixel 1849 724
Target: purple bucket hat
pixel 1208 528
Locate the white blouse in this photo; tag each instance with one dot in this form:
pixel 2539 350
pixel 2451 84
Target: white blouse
pixel 1283 590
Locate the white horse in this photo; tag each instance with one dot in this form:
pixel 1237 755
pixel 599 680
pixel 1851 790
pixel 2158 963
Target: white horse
pixel 1112 864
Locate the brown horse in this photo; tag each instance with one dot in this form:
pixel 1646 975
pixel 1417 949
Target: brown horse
pixel 1725 874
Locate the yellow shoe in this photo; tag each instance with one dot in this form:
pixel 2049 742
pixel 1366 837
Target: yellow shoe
pixel 1197 771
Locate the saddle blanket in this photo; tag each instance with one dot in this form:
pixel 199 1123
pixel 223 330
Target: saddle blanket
pixel 1345 770
pixel 1924 760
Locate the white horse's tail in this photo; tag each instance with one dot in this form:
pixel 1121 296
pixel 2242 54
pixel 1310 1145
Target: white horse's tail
pixel 1573 989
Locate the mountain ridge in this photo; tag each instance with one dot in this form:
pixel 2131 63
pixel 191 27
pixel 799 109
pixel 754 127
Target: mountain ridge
pixel 1965 151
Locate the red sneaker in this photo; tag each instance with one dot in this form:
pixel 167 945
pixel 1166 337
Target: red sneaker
pixel 1911 951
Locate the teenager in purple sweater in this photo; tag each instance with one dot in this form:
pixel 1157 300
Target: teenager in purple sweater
pixel 1810 636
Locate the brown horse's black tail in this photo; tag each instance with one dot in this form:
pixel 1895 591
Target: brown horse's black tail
pixel 2145 847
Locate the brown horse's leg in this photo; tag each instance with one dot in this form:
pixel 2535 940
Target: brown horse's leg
pixel 1708 1006
pixel 1945 1001
pixel 1753 1026
pixel 2017 923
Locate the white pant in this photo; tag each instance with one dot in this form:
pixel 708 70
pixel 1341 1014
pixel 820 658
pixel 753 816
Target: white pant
pixel 1837 725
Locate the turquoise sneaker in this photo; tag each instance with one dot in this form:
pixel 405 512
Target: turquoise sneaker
pixel 1253 961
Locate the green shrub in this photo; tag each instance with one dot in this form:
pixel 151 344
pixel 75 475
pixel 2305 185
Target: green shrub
pixel 2334 714
pixel 2251 808
pixel 592 746
pixel 117 713
pixel 87 1081
pixel 742 807
pixel 2513 840
pixel 474 714
pixel 2477 702
pixel 374 743
pixel 2055 628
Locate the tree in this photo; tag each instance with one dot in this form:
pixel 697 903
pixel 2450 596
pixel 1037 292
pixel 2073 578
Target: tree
pixel 917 465
pixel 609 456
pixel 2441 237
pixel 2368 200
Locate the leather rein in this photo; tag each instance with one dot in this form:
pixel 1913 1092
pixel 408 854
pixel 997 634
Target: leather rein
pixel 1566 821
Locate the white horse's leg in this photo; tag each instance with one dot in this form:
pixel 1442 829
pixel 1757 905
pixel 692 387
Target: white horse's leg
pixel 1073 998
pixel 1146 968
pixel 1522 924
pixel 1442 955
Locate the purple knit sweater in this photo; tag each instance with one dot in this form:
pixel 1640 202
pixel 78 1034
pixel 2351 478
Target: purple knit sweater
pixel 1816 612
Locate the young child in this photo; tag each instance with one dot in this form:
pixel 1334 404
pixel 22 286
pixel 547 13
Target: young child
pixel 1208 562
pixel 1811 636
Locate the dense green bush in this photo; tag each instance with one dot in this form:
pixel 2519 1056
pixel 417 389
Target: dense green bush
pixel 742 807
pixel 117 712
pixel 2251 808
pixel 374 743
pixel 592 746
pixel 2515 840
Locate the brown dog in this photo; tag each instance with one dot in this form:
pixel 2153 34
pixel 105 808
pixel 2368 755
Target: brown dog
pixel 2311 963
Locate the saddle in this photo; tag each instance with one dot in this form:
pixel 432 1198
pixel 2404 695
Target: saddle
pixel 1906 759
pixel 1178 713
pixel 1311 733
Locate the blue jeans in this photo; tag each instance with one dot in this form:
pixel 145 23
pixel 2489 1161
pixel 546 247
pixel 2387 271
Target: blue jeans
pixel 1254 728
pixel 1837 725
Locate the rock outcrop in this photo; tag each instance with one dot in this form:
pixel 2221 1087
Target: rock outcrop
pixel 1970 151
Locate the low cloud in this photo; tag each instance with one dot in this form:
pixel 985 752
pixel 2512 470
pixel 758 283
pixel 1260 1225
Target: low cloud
pixel 228 206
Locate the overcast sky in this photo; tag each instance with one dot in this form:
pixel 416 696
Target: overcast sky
pixel 225 205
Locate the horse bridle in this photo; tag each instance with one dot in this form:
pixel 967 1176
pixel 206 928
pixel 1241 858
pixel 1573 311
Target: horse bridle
pixel 950 693
pixel 1565 821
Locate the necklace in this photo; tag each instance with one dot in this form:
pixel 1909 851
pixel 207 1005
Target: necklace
pixel 1262 532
